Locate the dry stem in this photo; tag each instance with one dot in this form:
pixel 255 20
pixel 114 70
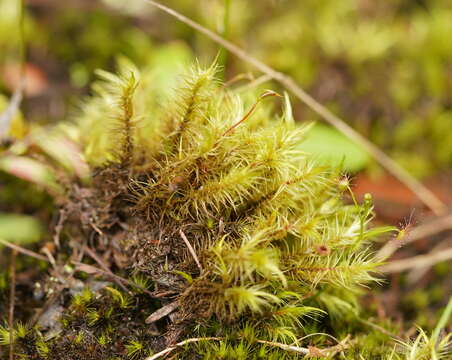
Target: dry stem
pixel 162 312
pixel 90 269
pixel 300 350
pixel 190 248
pixel 97 259
pixel 182 343
pixel 23 250
pixel 12 298
pixel 417 261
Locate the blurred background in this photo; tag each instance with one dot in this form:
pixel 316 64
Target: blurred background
pixel 383 66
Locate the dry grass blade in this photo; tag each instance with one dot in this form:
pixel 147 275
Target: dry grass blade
pixel 97 259
pixel 12 298
pixel 299 350
pixel 430 228
pixel 379 328
pixel 419 261
pixel 310 351
pixel 23 250
pixel 422 192
pixel 293 348
pixel 182 343
pixel 416 274
pixel 190 248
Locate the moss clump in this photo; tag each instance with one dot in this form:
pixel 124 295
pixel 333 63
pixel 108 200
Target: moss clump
pixel 244 237
pixel 106 324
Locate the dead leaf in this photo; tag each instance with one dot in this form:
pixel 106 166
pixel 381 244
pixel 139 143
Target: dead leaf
pixel 162 312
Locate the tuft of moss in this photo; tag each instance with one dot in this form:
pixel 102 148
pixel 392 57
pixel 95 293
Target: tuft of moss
pixel 208 200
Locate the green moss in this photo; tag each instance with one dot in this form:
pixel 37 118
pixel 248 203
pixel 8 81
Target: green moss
pixel 223 211
pixel 212 207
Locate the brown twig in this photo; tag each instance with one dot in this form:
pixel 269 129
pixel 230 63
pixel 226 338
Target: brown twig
pixel 299 350
pixel 50 257
pixel 310 351
pixel 93 269
pixel 379 328
pixel 62 215
pixel 12 299
pixel 162 312
pixel 417 261
pixel 23 250
pixel 420 190
pixel 255 83
pixel 414 275
pixel 190 248
pixel 97 259
pixel 182 343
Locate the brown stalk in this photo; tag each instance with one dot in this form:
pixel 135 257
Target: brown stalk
pixel 419 261
pixel 190 248
pixel 310 351
pixel 22 250
pixel 251 111
pixel 179 344
pixel 90 269
pixel 12 299
pixel 81 266
pixel 162 312
pixel 97 259
pixel 420 190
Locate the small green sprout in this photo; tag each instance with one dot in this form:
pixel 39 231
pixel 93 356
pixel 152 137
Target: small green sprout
pixel 5 336
pixel 435 347
pixel 122 300
pixel 81 300
pixel 142 282
pixel 103 339
pixel 42 348
pixel 134 349
pixel 79 337
pixel 92 317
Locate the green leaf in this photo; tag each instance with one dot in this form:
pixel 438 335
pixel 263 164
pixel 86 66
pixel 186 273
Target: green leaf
pixel 28 169
pixel 330 147
pixel 184 275
pixel 20 229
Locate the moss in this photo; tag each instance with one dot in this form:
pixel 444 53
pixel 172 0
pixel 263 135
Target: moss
pixel 114 332
pixel 213 201
pixel 211 204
